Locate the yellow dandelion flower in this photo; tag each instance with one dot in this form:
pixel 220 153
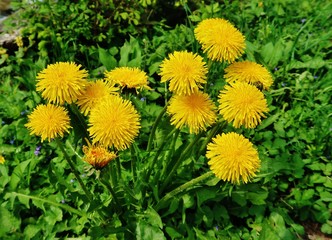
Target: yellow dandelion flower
pixel 19 41
pixel 243 104
pixel 232 158
pixel 48 121
pixel 114 122
pixel 196 111
pixel 186 72
pixel 93 93
pixel 129 77
pixel 220 39
pixel 3 51
pixel 249 72
pixel 61 82
pixel 97 156
pixel 2 160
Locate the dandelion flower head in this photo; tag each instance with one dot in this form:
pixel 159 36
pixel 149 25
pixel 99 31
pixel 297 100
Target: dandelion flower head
pixel 97 156
pixel 2 159
pixel 48 121
pixel 61 82
pixel 249 72
pixel 232 158
pixel 114 122
pixel 243 104
pixel 195 110
pixel 129 77
pixel 93 93
pixel 185 71
pixel 19 41
pixel 220 39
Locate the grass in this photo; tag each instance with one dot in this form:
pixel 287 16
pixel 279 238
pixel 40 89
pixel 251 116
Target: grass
pixel 42 198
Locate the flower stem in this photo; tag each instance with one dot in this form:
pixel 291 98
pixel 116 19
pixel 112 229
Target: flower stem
pixel 154 128
pixel 187 185
pixel 211 134
pixel 179 161
pixel 170 153
pixel 74 170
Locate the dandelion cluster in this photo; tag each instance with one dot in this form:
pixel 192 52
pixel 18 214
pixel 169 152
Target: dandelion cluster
pixel 113 123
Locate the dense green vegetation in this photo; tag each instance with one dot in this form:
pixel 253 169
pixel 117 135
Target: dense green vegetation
pixel 40 195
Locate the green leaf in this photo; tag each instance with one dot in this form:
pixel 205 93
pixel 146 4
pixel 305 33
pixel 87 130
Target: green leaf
pixel 107 59
pixel 8 222
pixel 327 228
pixel 257 198
pixel 18 174
pixel 173 233
pixel 145 231
pixel 239 198
pixel 205 194
pixel 31 230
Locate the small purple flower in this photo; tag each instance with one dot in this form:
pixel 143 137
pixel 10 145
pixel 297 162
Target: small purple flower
pixel 315 77
pixel 63 201
pixel 23 112
pixel 217 228
pixel 37 150
pixel 143 99
pixel 72 180
pixel 83 175
pixel 12 141
pixel 283 84
pixel 275 69
pixel 303 20
pixel 3 123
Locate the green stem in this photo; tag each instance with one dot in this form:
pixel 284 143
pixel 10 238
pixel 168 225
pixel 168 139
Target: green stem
pixel 74 170
pixel 74 151
pixel 187 185
pixel 179 161
pixel 154 128
pixel 211 134
pixel 133 163
pixel 81 120
pixel 110 189
pixel 60 205
pixel 170 153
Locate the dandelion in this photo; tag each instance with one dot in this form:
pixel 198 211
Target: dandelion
pixel 249 72
pixel 61 82
pixel 19 41
pixel 2 160
pixel 3 51
pixel 185 71
pixel 243 104
pixel 129 77
pixel 220 39
pixel 232 158
pixel 97 156
pixel 196 111
pixel 48 121
pixel 93 93
pixel 114 122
